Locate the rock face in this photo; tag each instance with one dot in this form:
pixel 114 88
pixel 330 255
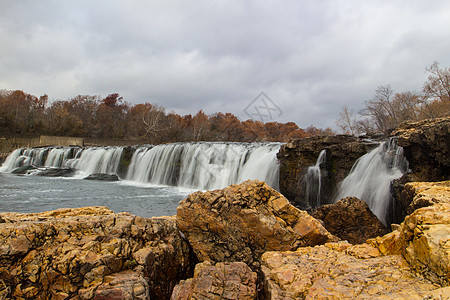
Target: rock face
pixel 341 271
pixel 230 280
pixel 350 219
pixel 91 253
pixel 241 222
pixel 424 240
pixel 296 156
pixel 426 146
pixel 415 195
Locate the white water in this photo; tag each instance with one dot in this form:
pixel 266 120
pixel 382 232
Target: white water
pixel 313 181
pixel 205 165
pixel 371 176
pixel 187 165
pixel 85 161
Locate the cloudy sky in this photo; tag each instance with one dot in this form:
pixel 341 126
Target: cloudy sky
pixel 308 57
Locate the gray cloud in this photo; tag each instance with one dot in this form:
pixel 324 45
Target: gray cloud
pixel 311 59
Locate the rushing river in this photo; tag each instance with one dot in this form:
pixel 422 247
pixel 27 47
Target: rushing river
pixel 153 183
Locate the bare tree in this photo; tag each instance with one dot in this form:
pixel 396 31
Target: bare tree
pixel 346 121
pixel 438 84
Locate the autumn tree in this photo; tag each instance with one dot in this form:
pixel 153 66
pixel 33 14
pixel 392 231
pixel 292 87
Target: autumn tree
pixel 147 120
pixel 111 117
pixel 61 121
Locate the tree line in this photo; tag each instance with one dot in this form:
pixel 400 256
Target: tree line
pixel 387 109
pixel 113 117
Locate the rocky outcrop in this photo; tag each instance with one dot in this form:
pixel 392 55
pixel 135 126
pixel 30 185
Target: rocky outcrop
pixel 423 239
pixel 411 262
pixel 350 219
pixel 91 253
pixel 342 271
pixel 102 177
pixel 241 222
pixel 415 195
pixel 296 156
pixel 426 146
pixel 229 280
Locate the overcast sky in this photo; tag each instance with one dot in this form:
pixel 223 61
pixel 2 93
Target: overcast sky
pixel 308 57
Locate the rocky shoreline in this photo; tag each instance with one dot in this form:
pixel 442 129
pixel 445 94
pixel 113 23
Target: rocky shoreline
pixel 246 241
pixel 242 242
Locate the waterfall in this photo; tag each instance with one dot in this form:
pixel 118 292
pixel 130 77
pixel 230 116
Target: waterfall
pixel 205 165
pixel 97 160
pixel 371 176
pixel 191 165
pixel 86 161
pixel 313 181
pixel 24 157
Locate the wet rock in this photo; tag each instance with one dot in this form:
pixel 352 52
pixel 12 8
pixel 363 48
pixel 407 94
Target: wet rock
pixel 350 219
pixel 341 271
pixel 241 222
pixel 229 280
pixel 23 170
pixel 90 253
pixel 296 156
pixel 102 177
pixel 56 172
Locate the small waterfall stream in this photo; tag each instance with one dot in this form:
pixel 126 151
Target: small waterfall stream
pixel 313 181
pixel 371 176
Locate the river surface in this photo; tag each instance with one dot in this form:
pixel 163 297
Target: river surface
pixel 29 194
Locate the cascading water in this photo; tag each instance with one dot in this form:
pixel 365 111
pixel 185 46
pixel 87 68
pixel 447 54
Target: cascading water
pixel 97 160
pixel 205 165
pixel 191 165
pixel 371 176
pixel 313 181
pixel 86 161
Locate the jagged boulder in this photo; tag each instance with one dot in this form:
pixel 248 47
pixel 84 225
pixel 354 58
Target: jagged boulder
pixel 342 271
pixel 229 280
pixel 350 219
pixel 241 222
pixel 297 155
pixel 424 240
pixel 91 253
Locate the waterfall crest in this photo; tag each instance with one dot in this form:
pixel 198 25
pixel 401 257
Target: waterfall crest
pixel 371 176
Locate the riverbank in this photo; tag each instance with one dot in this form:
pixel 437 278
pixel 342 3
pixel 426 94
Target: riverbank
pixel 243 241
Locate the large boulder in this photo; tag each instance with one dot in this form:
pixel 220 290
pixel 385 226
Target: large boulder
pixel 241 222
pixel 91 253
pixel 426 146
pixel 350 219
pixel 229 280
pixel 342 271
pixel 298 154
pixel 102 177
pixel 424 240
